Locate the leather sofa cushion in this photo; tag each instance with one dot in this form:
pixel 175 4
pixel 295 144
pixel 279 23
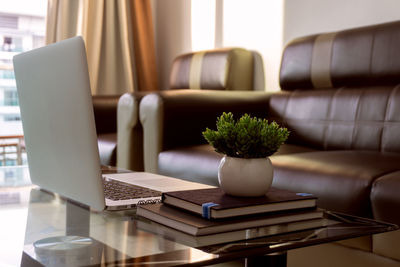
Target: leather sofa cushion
pixel 340 179
pixel 200 163
pixel 107 144
pixel 217 69
pixel 195 163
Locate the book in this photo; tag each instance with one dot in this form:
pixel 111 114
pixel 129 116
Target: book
pixel 196 225
pixel 233 236
pixel 230 206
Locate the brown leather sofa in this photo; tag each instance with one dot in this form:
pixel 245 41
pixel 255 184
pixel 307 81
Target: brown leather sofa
pixel 219 69
pixel 105 115
pixel 340 99
pixel 230 69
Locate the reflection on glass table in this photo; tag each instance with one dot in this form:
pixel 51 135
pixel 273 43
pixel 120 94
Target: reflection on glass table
pixel 15 186
pixel 14 176
pixel 60 232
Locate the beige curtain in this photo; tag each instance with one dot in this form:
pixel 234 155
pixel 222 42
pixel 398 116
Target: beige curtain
pixel 119 41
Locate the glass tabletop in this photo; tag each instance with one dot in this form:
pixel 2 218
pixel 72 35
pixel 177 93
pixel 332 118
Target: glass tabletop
pixel 60 232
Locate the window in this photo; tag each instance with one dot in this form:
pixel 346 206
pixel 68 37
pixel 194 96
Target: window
pixel 22 28
pixel 12 118
pixel 10 98
pixel 203 24
pixel 7 75
pixel 8 21
pixel 12 44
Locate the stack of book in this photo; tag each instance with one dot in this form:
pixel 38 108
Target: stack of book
pixel 210 215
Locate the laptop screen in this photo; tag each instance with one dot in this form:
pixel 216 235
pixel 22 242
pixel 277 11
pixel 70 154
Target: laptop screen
pixel 58 122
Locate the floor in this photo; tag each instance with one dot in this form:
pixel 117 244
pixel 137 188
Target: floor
pixel 15 187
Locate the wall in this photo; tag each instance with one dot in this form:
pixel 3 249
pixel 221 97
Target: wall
pixel 172 29
pixel 307 17
pixel 256 25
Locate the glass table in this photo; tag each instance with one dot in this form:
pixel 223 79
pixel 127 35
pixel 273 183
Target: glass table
pixel 60 232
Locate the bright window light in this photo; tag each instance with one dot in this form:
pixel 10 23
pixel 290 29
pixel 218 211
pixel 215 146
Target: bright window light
pixel 203 24
pixel 22 28
pixel 256 25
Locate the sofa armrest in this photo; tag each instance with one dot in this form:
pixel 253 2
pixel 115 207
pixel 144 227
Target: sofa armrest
pixel 385 201
pixel 105 113
pixel 129 133
pixel 385 198
pixel 177 118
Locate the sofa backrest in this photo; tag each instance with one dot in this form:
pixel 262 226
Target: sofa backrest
pixel 341 90
pixel 332 119
pixel 105 113
pixel 218 69
pixel 357 57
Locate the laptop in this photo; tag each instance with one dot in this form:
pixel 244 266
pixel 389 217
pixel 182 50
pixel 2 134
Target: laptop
pixel 60 135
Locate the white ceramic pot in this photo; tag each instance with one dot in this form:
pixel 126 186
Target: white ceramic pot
pixel 245 177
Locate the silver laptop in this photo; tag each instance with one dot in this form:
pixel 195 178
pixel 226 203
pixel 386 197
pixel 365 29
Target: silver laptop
pixel 58 122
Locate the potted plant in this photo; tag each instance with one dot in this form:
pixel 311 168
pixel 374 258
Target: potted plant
pixel 245 170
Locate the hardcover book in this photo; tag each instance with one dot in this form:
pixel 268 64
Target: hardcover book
pixel 233 236
pixel 195 225
pixel 217 204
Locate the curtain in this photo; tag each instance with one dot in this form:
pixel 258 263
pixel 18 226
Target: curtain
pixel 119 40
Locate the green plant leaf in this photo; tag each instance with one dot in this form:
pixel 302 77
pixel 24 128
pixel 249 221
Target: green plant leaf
pixel 248 137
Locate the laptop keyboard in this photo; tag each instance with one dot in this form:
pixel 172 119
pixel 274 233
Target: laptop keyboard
pixel 116 190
